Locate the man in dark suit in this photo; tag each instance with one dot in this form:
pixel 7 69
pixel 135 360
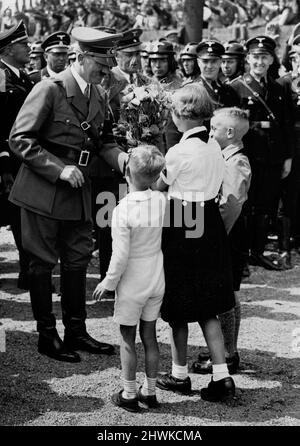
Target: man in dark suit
pixel 62 125
pixel 269 144
pixel 14 88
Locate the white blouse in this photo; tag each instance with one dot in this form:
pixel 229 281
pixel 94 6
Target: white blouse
pixel 194 169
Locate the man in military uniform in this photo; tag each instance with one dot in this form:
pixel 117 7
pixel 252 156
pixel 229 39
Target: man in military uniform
pixel 269 142
pixel 163 65
pixel 14 87
pixel 61 126
pixel 37 60
pixel 233 61
pixel 55 49
pixel 188 62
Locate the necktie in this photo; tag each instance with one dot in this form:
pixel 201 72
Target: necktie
pixel 87 92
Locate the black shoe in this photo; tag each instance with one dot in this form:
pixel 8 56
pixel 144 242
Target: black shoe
pixel 205 367
pixel 55 349
pixel 223 390
pixel 149 402
pixel 268 262
pixel 23 281
pixel 168 382
pixel 285 260
pixel 87 343
pixel 131 405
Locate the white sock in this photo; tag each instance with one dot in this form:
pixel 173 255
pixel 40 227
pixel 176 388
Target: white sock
pixel 220 371
pixel 148 386
pixel 129 389
pixel 179 371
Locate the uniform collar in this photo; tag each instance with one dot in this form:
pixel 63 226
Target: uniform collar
pixel 52 73
pixel 15 70
pixel 192 131
pixel 231 150
pixel 80 81
pixel 139 195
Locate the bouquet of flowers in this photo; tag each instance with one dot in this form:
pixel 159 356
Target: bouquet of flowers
pixel 144 112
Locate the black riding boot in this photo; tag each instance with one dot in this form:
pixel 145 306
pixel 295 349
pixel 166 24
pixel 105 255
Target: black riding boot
pixel 73 288
pixel 49 342
pixel 284 233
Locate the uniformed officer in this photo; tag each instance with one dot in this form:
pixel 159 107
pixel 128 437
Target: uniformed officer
pixel 37 60
pixel 163 65
pixel 188 62
pixel 269 142
pixel 14 87
pixel 62 125
pixel 145 48
pixel 55 48
pixel 233 61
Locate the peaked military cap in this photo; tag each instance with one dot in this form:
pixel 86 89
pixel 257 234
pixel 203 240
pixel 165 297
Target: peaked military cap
pixel 98 44
pixel 57 42
pixel 106 29
pixel 36 49
pixel 261 44
pixel 160 50
pixel 233 49
pixel 14 35
pixel 189 51
pixel 130 40
pixel 210 48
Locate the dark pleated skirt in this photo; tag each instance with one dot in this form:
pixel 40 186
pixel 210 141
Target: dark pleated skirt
pixel 198 269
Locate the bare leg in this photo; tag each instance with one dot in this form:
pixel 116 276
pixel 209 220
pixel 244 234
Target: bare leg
pixel 213 335
pixel 148 337
pixel 128 352
pixel 178 339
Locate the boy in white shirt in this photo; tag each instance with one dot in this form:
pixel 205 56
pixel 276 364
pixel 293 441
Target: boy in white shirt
pixel 136 273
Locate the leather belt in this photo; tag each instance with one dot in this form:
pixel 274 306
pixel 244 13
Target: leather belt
pixel 80 157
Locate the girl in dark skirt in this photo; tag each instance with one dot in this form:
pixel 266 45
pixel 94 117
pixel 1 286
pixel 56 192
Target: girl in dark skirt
pixel 195 246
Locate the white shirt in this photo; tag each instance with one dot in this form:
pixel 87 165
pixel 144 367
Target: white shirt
pixel 80 81
pixel 194 169
pixel 14 69
pixel 136 231
pixel 235 185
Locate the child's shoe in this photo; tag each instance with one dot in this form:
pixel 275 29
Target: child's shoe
pixel 149 402
pixel 131 405
pixel 222 390
pixel 168 382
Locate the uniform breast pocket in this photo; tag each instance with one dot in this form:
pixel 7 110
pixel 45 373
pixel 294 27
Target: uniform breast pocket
pixel 67 128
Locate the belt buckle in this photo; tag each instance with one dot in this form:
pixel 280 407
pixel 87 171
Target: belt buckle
pixel 85 126
pixel 265 124
pixel 84 158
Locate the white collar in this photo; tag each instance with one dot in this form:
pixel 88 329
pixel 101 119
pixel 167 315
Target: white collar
pixel 192 131
pixel 230 150
pixel 80 81
pixel 14 69
pixel 139 195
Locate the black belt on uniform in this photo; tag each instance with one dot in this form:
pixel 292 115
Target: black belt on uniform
pixel 80 157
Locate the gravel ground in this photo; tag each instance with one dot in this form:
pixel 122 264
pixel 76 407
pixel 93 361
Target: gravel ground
pixel 38 391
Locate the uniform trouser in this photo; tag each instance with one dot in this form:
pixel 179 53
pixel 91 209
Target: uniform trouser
pixel 46 240
pixel 15 223
pixel 262 200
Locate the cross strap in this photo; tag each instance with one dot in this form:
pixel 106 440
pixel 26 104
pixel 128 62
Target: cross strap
pixel 261 100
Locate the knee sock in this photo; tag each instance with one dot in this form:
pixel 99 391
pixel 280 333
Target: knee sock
pixel 179 371
pixel 129 391
pixel 148 386
pixel 237 311
pixel 220 371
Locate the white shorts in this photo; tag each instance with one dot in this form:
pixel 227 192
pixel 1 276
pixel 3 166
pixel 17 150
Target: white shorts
pixel 140 291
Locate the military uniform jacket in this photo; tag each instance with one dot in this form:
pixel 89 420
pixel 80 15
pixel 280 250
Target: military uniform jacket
pixel 269 140
pixel 37 75
pixel 13 92
pixel 47 124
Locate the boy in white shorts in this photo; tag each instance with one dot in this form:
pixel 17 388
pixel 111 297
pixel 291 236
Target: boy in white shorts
pixel 136 273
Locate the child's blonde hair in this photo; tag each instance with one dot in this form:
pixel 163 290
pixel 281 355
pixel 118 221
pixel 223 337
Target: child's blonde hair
pixel 238 119
pixel 145 163
pixel 192 102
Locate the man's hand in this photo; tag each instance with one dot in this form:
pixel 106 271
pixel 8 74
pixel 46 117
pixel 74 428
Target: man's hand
pixel 101 293
pixel 72 175
pixel 8 181
pixel 286 168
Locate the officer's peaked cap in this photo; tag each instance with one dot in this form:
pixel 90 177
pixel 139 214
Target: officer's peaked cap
pixel 130 40
pixel 57 42
pixel 210 48
pixel 261 44
pixel 14 35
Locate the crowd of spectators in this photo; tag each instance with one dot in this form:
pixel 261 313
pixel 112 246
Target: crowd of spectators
pixel 43 17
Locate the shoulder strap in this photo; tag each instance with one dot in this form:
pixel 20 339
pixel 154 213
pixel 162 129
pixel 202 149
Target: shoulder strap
pixel 257 96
